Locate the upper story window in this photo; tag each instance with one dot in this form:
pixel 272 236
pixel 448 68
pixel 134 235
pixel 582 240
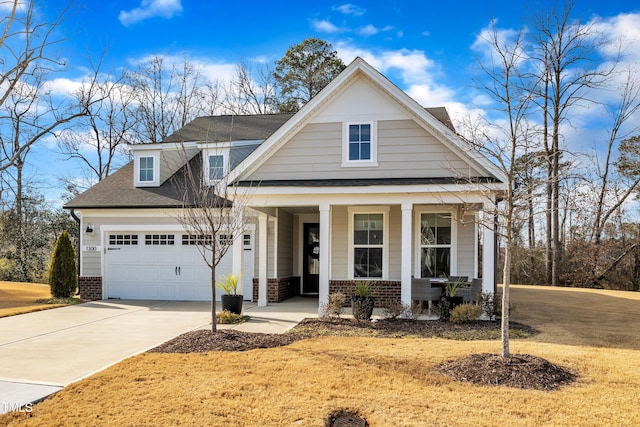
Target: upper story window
pixel 216 167
pixel 360 145
pixel 146 169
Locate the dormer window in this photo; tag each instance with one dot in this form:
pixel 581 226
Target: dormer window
pixel 146 169
pixel 216 167
pixel 359 145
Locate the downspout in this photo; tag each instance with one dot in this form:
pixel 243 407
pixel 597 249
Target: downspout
pixel 73 214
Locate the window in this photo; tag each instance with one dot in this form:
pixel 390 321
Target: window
pixel 191 239
pixel 123 239
pixel 435 244
pixel 368 245
pixel 159 239
pixel 216 167
pixel 146 169
pixel 225 239
pixel 359 144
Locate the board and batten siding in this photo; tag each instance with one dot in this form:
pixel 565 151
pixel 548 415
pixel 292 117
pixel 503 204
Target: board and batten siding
pixel 405 150
pixel 285 243
pixel 339 242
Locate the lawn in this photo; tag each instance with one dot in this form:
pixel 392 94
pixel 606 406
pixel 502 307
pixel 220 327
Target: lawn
pixel 388 381
pixel 19 298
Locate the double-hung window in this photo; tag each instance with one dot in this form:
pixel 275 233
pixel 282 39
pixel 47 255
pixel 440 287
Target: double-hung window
pixel 216 167
pixel 146 169
pixel 435 244
pixel 368 241
pixel 360 145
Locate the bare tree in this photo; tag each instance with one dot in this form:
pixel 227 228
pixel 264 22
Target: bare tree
pixel 566 52
pixel 252 90
pixel 212 212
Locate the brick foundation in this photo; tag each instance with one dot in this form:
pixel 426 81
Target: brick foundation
pixel 90 287
pixel 278 288
pixel 385 291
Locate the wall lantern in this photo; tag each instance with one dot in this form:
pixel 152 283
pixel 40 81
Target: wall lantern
pixel 89 228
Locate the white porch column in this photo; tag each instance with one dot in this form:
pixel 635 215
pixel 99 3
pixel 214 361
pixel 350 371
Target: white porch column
pixel 405 253
pixel 263 222
pixel 488 247
pixel 325 261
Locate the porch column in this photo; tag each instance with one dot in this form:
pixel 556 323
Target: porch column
pixel 405 254
pixel 325 261
pixel 488 247
pixel 238 252
pixel 263 222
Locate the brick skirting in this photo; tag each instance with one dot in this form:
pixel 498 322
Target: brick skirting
pixel 384 292
pixel 90 287
pixel 278 288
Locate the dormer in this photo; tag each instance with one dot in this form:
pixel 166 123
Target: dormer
pixel 216 162
pixel 146 168
pixel 153 164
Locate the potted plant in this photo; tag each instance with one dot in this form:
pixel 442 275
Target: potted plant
pixel 362 302
pixel 231 301
pixel 451 289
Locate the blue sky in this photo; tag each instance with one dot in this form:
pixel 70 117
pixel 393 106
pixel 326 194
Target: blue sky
pixel 427 48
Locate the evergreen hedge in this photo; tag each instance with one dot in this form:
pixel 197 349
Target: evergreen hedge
pixel 62 273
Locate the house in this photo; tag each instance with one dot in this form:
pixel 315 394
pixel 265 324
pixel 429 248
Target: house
pixel 362 182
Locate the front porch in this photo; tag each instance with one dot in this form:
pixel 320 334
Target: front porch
pixel 387 243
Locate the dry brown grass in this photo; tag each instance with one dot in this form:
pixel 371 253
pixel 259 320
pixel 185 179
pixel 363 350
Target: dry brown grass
pixel 390 382
pixel 19 298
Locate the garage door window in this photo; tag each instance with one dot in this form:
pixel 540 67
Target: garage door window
pixel 191 239
pixel 159 239
pixel 123 239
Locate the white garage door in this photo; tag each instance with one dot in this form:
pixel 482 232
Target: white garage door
pixel 159 266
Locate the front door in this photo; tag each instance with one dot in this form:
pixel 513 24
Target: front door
pixel 311 258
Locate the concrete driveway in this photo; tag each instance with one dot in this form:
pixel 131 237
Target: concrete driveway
pixel 42 352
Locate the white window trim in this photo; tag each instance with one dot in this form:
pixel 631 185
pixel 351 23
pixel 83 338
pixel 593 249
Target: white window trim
pixel 156 170
pixel 373 162
pixel 384 210
pixel 453 263
pixel 206 154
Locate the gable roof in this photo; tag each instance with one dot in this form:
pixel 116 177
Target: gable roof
pixel 436 121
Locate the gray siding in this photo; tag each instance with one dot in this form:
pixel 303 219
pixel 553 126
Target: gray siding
pixel 395 242
pixel 285 243
pixel 171 161
pixel 339 242
pixel 405 150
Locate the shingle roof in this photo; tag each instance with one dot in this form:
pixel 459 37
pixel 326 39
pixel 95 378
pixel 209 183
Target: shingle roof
pixel 230 128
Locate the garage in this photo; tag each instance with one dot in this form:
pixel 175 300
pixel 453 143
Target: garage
pixel 164 266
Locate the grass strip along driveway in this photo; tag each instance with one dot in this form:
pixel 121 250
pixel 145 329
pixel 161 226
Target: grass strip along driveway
pixel 19 298
pixel 387 381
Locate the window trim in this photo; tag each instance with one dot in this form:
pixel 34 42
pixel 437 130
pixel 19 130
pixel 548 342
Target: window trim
pixel 453 262
pixel 373 161
pixel 352 211
pixel 156 169
pixel 207 153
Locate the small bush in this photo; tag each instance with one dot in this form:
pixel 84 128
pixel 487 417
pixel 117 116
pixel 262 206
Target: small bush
pixel 395 309
pixel 491 304
pixel 62 274
pixel 225 317
pixel 442 309
pixel 466 313
pixel 334 305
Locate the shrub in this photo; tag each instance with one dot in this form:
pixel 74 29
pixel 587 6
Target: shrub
pixel 225 317
pixel 62 273
pixel 491 304
pixel 466 313
pixel 442 309
pixel 334 305
pixel 395 309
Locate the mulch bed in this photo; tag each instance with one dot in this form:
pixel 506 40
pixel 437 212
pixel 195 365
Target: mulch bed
pixel 520 371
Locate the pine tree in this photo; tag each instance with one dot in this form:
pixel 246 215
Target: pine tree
pixel 62 273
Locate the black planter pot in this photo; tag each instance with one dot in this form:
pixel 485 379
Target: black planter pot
pixel 362 307
pixel 232 303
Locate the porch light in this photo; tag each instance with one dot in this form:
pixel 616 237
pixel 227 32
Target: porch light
pixel 89 228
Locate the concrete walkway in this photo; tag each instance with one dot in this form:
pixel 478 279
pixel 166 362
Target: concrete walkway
pixel 44 351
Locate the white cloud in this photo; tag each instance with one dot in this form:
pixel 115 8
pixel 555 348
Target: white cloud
pixel 324 26
pixel 350 9
pixel 368 30
pixel 150 9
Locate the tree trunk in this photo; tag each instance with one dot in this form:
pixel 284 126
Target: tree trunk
pixel 214 320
